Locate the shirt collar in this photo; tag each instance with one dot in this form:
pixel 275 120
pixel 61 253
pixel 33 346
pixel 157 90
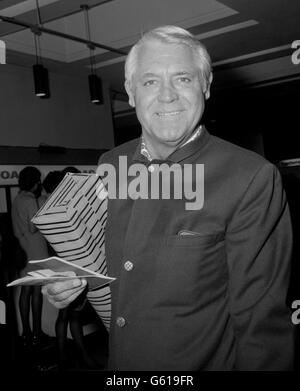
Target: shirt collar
pixel 146 153
pixel 198 139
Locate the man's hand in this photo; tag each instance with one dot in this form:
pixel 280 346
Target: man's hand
pixel 61 294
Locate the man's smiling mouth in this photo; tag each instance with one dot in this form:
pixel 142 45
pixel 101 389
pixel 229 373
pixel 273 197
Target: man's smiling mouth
pixel 168 113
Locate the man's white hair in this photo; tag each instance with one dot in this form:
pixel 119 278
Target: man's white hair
pixel 172 35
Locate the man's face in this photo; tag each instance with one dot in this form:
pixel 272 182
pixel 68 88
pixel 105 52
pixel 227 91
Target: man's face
pixel 167 93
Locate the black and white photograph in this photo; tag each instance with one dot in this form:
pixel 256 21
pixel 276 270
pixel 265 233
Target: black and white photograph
pixel 149 190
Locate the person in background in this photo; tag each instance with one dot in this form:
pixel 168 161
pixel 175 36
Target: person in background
pixel 2 305
pixel 24 207
pixel 70 169
pixel 51 181
pixel 72 314
pixel 201 285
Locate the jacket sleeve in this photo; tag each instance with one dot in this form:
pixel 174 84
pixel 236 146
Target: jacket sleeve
pixel 259 245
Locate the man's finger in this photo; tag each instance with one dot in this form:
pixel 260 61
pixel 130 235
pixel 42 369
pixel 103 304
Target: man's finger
pixel 64 303
pixel 58 287
pixel 65 296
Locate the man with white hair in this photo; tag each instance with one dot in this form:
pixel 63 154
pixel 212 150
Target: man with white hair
pixel 197 288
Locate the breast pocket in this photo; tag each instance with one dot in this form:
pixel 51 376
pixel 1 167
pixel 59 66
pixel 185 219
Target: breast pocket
pixel 192 239
pixel 192 267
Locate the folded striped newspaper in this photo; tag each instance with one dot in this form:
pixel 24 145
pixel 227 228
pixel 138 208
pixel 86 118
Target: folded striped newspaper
pixel 73 221
pixel 55 269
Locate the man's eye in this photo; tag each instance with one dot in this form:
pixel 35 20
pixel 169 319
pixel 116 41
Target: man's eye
pixel 149 83
pixel 184 79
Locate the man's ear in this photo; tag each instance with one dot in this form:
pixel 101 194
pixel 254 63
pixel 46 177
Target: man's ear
pixel 207 91
pixel 130 93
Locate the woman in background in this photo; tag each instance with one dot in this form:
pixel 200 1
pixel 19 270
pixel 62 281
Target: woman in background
pixel 24 207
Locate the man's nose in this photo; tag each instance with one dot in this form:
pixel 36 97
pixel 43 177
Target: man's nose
pixel 167 93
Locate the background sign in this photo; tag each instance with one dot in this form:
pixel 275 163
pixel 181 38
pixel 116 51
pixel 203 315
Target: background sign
pixel 9 174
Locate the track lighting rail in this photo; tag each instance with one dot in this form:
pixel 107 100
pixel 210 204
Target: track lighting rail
pixel 41 29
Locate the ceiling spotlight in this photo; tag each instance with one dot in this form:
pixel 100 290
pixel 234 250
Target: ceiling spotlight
pixel 95 84
pixel 41 81
pixel 40 73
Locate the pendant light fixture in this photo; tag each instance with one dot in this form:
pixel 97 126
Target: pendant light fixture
pixel 95 84
pixel 40 73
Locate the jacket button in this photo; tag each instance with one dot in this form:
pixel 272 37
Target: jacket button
pixel 151 168
pixel 120 321
pixel 128 266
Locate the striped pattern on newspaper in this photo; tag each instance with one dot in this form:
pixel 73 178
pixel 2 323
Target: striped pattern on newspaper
pixel 73 221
